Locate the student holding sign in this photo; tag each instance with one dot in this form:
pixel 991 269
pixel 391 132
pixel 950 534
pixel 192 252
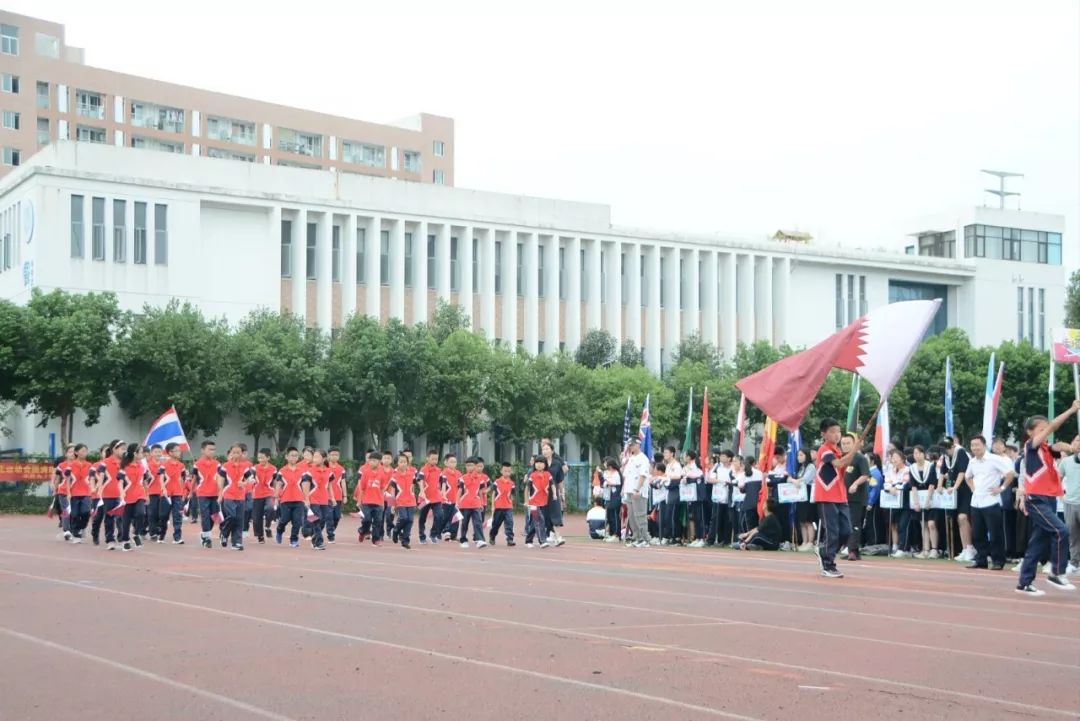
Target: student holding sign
pixel 923 484
pixel 805 513
pixel 895 498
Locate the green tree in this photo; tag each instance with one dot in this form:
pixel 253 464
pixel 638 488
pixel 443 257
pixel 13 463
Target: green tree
pixel 66 359
pixel 1072 301
pixel 530 396
pixel 598 349
pixel 601 405
pixel 12 338
pixel 696 350
pixel 448 317
pixel 463 383
pixel 281 375
pixel 175 356
pixel 630 355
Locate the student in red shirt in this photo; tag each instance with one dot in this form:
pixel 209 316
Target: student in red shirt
pixel 173 474
pixel 431 496
pixel 78 493
pixel 106 487
pixel 249 499
pixel 208 472
pixel 157 508
pixel 503 505
pixel 537 490
pixel 471 486
pixel 133 476
pixel 316 487
pixel 386 467
pixel 830 495
pixel 448 484
pixel 338 491
pixel 305 458
pixel 369 497
pixel 236 480
pixel 262 495
pixel 402 481
pixel 290 497
pixel 61 503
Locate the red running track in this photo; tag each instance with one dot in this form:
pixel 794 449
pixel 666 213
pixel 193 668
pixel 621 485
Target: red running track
pixel 588 631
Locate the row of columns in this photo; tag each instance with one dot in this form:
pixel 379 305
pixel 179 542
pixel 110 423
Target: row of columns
pixel 743 296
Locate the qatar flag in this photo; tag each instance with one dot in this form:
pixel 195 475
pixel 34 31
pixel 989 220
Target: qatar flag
pixel 876 346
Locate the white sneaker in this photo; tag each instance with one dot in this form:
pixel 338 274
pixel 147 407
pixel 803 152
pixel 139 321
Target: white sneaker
pixel 545 544
pixel 464 544
pixel 611 539
pixel 559 540
pixel 1046 569
pixel 528 545
pixel 76 539
pixel 934 553
pixel 970 553
pixel 1071 570
pixel 654 541
pixel 1016 568
pixel 481 544
pixel 641 544
pixel 923 554
pixel 899 554
pixel 844 551
pixel 60 536
pixel 663 542
pixel 1030 591
pixel 1060 583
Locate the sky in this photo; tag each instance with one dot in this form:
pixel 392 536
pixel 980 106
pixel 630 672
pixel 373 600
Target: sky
pixel 845 119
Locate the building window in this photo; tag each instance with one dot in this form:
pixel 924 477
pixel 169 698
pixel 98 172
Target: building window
pixel 682 284
pixel 158 117
pixel 89 104
pixel 438 177
pixel 299 142
pixel 431 262
pixel 286 248
pixel 97 228
pixel 1031 316
pixel 76 226
pixel 409 255
pixel 11 120
pixel 1016 244
pixel 475 265
pixel 139 257
pixel 335 254
pixel 905 290
pixel 384 257
pixel 540 274
pixel 701 286
pixel 412 161
pixel 851 298
pixel 161 234
pixel 119 246
pixel 164 146
pixel 1019 315
pixel 862 295
pixel 839 301
pixel 212 152
pixel 230 130
pixel 9 39
pixel 663 281
pixel 10 83
pixel 43 131
pixel 520 268
pixel 455 269
pixel 562 273
pixel 498 266
pixel 438 148
pixel 644 287
pixel 87 134
pixel 1042 318
pixel 363 154
pixel 309 258
pixel 12 156
pixel 938 245
pixel 46 46
pixel 361 240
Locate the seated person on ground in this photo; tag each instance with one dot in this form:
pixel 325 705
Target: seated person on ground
pixel 767 535
pixel 597 519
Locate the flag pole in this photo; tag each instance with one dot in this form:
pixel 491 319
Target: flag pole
pixel 1050 394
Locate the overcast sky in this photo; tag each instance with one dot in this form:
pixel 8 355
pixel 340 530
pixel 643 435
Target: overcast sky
pixel 847 119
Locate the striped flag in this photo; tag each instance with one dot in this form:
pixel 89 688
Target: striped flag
pixel 988 401
pixel 689 421
pixel 626 430
pixel 794 444
pixel 996 400
pixel 853 404
pixel 881 432
pixel 768 446
pixel 645 430
pixel 948 397
pixel 740 427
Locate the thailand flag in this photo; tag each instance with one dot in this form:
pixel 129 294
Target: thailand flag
pixel 645 430
pixel 166 430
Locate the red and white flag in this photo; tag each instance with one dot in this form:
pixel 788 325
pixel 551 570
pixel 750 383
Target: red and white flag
pixel 876 346
pixel 740 427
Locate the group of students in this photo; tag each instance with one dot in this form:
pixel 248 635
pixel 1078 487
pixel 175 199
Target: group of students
pixel 136 492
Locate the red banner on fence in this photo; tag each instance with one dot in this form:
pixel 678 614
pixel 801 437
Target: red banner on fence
pixel 25 471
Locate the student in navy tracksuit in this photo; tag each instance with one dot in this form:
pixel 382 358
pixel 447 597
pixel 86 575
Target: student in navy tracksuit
pixel 1038 498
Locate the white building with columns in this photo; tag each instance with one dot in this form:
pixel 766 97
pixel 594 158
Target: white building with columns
pixel 235 237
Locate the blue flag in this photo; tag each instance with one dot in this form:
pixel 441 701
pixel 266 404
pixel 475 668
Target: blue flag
pixel 948 398
pixel 794 444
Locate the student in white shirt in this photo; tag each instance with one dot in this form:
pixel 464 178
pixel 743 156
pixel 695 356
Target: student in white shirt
pixel 671 534
pixel 897 484
pixel 612 480
pixel 694 478
pixel 987 476
pixel 635 487
pixel 596 519
pixel 719 481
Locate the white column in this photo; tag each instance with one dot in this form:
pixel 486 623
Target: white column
pixel 442 262
pixel 595 292
pixel 530 276
pixel 573 294
pixel 551 293
pixel 509 289
pixel 692 312
pixel 710 314
pixel 464 254
pixel 299 264
pixel 653 341
pixel 672 286
pixel 419 273
pixel 372 279
pixel 348 273
pixel 782 287
pixel 729 325
pixel 632 329
pixel 322 438
pixel 764 303
pixel 275 233
pixel 746 291
pixel 397 269
pixel 613 290
pixel 488 298
pixel 324 259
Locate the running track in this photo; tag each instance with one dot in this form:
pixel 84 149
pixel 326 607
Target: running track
pixel 589 631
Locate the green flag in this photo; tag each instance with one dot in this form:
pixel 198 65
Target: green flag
pixel 689 416
pixel 853 404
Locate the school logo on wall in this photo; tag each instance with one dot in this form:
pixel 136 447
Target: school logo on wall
pixel 27 220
